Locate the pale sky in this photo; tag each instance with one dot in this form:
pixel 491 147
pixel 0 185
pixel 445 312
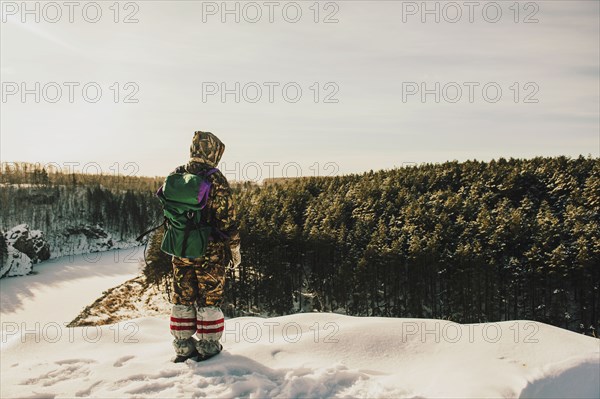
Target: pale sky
pixel 368 61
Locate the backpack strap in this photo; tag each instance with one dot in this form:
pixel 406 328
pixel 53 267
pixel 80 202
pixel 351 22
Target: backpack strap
pixel 205 187
pixel 189 226
pixel 216 234
pixel 211 171
pixel 139 238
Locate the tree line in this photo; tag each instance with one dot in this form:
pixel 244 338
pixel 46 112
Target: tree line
pixel 466 241
pixel 37 174
pixel 469 242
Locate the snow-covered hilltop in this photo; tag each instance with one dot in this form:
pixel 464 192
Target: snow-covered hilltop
pixel 302 355
pixel 308 355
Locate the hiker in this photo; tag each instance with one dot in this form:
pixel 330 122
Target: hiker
pixel 198 282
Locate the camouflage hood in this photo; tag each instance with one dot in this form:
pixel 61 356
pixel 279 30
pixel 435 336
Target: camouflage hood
pixel 206 148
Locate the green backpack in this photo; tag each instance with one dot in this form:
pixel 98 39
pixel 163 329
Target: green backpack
pixel 184 196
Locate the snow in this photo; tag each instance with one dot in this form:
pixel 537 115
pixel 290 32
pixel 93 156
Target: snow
pixel 286 357
pixel 60 288
pixel 302 355
pixel 23 185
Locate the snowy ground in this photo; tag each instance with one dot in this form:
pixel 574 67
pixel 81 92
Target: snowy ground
pixel 60 288
pixel 306 355
pixel 303 355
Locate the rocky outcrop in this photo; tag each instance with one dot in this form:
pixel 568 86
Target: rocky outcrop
pixel 4 266
pixel 29 242
pixel 17 264
pixel 86 238
pixel 20 249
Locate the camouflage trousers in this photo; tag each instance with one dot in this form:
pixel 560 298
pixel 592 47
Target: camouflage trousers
pixel 200 281
pixel 197 293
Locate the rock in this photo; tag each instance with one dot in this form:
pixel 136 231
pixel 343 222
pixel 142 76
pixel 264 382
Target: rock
pixel 87 230
pixel 19 264
pixel 87 238
pixel 30 242
pixel 40 245
pixel 20 248
pixel 4 264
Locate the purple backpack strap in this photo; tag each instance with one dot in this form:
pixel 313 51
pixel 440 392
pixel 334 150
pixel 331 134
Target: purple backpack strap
pixel 211 171
pixel 205 188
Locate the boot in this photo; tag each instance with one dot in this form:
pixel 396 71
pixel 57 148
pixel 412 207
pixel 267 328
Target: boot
pixel 207 349
pixel 183 358
pixel 185 349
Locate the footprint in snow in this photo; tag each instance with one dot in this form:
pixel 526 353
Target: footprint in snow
pixel 67 370
pixel 122 360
